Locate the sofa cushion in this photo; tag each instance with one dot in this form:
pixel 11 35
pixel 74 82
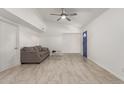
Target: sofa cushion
pixel 29 49
pixel 38 48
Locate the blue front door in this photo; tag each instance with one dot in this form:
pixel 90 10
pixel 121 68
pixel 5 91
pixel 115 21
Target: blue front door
pixel 85 44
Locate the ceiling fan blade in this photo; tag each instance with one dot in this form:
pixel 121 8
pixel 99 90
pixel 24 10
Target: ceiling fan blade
pixel 56 14
pixel 58 19
pixel 68 19
pixel 74 14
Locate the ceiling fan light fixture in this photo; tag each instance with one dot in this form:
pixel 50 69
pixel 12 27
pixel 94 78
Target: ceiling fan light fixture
pixel 63 16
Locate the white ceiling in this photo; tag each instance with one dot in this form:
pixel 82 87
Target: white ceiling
pixel 85 15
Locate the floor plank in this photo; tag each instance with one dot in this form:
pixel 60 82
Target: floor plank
pixel 64 69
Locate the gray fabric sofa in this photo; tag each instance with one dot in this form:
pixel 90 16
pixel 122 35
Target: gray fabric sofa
pixel 32 55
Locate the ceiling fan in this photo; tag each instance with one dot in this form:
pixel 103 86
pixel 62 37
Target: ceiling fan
pixel 64 15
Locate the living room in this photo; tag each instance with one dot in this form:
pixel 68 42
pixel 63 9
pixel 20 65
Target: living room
pixel 61 46
pixel 78 41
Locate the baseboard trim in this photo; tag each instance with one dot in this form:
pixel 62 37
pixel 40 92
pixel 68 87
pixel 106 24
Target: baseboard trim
pixel 110 71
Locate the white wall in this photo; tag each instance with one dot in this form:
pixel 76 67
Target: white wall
pixel 9 51
pixel 71 43
pixel 105 41
pixel 53 37
pixel 29 15
pixel 66 43
pixel 28 37
pixel 53 42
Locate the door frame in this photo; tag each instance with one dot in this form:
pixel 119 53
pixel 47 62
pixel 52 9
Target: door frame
pixel 85 46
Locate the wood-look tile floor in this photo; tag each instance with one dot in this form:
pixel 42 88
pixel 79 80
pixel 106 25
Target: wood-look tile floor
pixel 66 69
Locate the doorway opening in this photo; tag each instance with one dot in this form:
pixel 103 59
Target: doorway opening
pixel 85 44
